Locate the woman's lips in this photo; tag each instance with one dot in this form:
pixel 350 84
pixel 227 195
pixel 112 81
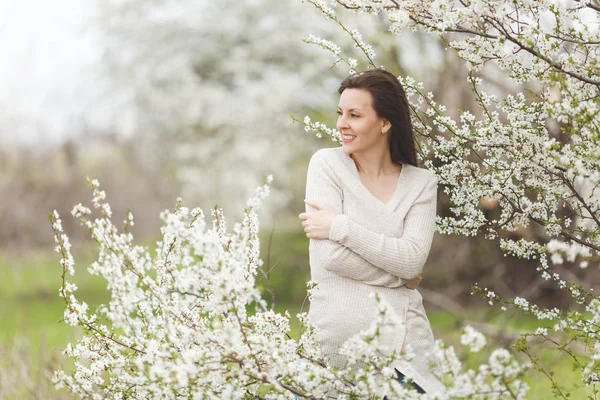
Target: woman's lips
pixel 348 138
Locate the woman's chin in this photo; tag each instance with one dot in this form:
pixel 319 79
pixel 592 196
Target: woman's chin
pixel 347 148
pixel 350 148
pixel 349 145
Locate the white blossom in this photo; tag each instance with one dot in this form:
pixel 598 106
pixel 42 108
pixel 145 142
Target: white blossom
pixel 472 338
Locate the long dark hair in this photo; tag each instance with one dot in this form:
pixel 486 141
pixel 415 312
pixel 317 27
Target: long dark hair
pixel 389 102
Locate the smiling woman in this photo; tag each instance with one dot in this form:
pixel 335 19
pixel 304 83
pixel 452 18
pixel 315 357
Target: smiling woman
pixel 370 215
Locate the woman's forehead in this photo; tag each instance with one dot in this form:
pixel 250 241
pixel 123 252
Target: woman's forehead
pixel 355 99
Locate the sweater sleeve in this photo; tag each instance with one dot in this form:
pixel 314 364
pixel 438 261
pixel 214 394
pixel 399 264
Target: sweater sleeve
pixel 400 256
pixel 322 185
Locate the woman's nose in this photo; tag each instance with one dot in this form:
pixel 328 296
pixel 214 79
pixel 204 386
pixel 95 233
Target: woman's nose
pixel 341 123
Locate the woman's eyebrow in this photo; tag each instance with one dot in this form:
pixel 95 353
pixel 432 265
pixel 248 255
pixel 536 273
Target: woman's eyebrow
pixel 352 109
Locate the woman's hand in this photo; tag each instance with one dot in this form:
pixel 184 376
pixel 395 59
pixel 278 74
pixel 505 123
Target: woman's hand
pixel 413 283
pixel 317 224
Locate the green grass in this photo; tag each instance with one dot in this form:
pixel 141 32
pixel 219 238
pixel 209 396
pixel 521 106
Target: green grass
pixel 31 310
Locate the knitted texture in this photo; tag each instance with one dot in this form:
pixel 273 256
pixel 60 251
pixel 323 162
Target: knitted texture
pixel 372 247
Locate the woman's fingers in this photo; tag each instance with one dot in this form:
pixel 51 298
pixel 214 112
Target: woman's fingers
pixel 414 283
pixel 303 216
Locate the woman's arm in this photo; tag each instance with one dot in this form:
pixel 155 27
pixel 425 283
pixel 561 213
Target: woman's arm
pixel 321 185
pixel 404 256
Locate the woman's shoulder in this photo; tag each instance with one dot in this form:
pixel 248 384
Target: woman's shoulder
pixel 419 174
pixel 329 155
pixel 330 161
pixel 329 152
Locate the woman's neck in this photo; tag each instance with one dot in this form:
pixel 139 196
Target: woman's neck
pixel 375 164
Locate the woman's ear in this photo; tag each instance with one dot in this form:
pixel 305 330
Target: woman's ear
pixel 386 126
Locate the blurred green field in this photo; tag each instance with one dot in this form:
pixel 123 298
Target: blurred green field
pixel 30 313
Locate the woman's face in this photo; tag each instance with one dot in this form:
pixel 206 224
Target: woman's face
pixel 358 123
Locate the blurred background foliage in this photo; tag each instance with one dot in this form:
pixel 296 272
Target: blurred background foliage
pixel 194 101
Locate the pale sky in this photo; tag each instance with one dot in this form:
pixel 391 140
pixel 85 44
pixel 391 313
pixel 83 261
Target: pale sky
pixel 48 64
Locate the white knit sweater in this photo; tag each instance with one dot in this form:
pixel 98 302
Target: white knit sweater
pixel 372 247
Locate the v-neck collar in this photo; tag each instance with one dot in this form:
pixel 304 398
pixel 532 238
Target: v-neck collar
pixel 393 200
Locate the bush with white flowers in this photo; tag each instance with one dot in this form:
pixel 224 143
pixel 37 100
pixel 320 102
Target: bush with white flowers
pixel 187 321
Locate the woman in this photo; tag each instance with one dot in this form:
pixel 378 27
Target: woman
pixel 370 215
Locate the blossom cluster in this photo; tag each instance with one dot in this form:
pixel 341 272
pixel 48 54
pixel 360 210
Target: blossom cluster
pixel 320 129
pixel 355 35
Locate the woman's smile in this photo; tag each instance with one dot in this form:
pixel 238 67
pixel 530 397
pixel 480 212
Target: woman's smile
pixel 347 138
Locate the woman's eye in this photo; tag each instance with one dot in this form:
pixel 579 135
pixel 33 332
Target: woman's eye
pixel 353 115
pixel 339 113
